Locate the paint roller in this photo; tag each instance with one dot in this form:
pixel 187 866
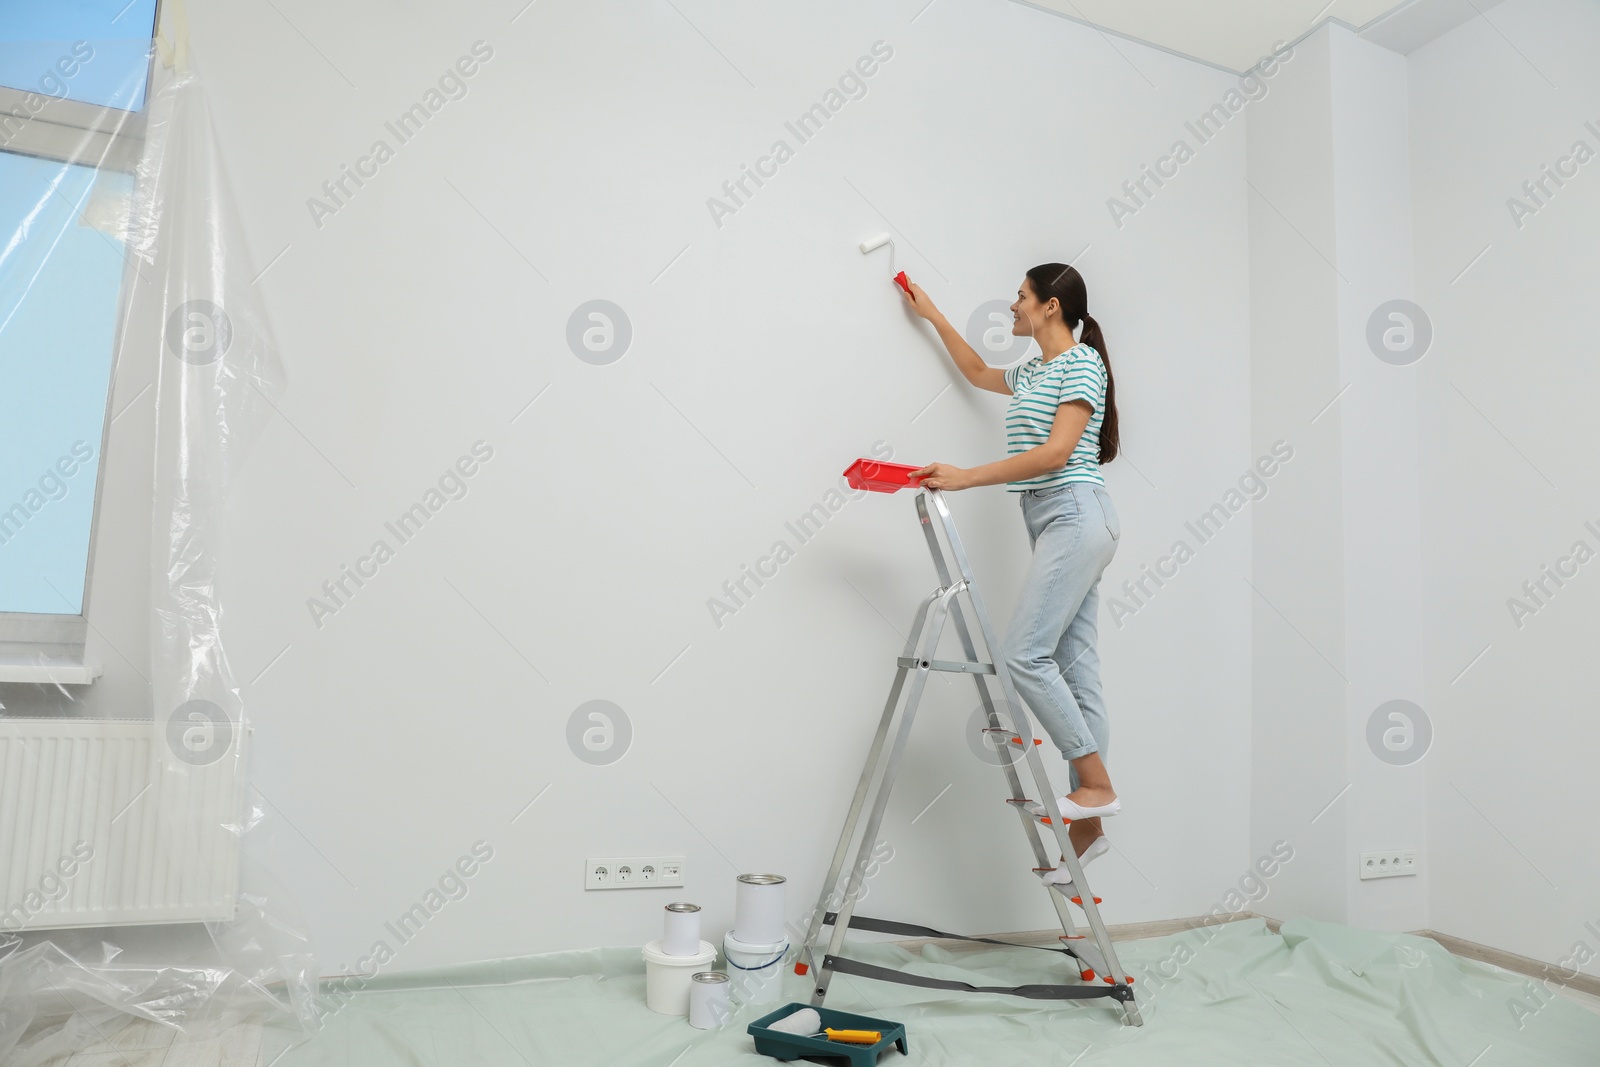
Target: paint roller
pixel 804 1023
pixel 872 244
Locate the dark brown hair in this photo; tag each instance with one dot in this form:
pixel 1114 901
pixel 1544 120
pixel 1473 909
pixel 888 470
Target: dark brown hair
pixel 1062 281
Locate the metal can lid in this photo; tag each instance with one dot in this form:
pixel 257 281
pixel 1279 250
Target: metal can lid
pixel 762 879
pixel 709 976
pixel 683 906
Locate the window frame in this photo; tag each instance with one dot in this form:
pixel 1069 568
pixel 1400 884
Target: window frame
pixel 40 646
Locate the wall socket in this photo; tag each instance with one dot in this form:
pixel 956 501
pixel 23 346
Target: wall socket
pixel 1391 864
pixel 633 872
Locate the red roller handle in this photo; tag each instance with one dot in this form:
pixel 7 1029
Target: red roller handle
pixel 900 280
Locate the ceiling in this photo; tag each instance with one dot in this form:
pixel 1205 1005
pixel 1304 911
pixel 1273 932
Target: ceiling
pixel 1236 34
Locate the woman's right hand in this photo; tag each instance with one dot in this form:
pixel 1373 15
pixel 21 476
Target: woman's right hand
pixel 920 302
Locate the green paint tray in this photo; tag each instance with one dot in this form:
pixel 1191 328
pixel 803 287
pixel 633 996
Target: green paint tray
pixel 782 1046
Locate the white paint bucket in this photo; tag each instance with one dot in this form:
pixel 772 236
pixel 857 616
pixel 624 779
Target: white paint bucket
pixel 681 936
pixel 758 908
pixel 756 970
pixel 708 999
pixel 666 978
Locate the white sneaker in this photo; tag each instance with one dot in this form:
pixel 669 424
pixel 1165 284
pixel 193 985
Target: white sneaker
pixel 1062 877
pixel 1070 810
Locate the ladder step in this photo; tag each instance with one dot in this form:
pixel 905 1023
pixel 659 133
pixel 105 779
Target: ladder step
pixel 1011 735
pixel 958 666
pixel 1079 901
pixel 1071 937
pixel 1108 981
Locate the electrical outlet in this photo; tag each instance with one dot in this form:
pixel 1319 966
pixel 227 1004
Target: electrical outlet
pixel 1391 864
pixel 633 872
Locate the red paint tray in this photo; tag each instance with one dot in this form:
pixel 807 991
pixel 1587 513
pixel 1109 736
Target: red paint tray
pixel 880 477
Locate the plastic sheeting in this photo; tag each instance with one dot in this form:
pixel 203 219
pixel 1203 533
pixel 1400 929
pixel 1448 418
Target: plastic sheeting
pixel 187 316
pixel 1315 994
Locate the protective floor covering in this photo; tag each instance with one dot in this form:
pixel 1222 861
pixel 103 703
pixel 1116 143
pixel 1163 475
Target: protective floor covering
pixel 1316 994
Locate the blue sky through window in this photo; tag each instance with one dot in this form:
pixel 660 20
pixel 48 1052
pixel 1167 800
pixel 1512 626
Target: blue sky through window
pixel 60 283
pixel 95 51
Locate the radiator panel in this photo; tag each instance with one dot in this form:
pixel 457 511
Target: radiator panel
pixel 161 835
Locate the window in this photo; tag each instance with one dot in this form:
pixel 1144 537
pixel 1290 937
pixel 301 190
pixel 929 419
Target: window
pixel 74 76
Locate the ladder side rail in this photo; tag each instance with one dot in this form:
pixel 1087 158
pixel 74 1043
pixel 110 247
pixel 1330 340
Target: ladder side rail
pixel 868 772
pixel 830 885
pixel 880 802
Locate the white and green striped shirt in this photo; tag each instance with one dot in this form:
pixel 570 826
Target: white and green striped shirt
pixel 1038 388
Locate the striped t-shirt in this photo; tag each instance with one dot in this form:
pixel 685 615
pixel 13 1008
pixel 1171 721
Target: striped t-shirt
pixel 1038 388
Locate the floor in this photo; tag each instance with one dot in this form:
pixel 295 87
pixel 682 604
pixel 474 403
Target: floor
pixel 1590 1002
pixel 1315 994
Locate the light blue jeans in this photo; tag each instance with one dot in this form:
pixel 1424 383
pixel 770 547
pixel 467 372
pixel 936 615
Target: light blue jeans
pixel 1050 644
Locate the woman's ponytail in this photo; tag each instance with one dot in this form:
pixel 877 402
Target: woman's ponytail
pixel 1110 440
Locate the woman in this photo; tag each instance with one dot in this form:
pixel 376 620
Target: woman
pixel 1060 426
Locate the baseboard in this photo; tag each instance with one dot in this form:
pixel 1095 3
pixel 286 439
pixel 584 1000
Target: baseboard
pixel 1510 961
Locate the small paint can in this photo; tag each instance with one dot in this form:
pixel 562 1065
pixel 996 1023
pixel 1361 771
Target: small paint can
pixel 681 935
pixel 758 908
pixel 708 999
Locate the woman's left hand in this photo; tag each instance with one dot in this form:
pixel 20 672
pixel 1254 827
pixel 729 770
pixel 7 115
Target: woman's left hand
pixel 943 476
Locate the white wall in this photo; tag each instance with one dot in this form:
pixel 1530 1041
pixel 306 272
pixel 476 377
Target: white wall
pixel 1507 437
pixel 429 310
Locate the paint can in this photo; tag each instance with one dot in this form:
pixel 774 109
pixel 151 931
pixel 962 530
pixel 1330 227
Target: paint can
pixel 708 999
pixel 758 908
pixel 681 936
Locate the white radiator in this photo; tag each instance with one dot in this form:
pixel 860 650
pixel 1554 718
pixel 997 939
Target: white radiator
pixel 98 829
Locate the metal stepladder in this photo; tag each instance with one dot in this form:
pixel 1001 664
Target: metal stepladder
pixel 1094 958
